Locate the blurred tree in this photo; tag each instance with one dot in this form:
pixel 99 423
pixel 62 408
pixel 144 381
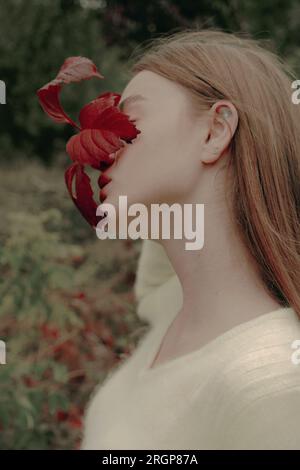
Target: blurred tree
pixel 35 38
pixel 131 21
pixel 37 35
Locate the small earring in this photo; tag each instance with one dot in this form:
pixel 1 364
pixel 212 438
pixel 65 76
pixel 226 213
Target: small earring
pixel 226 113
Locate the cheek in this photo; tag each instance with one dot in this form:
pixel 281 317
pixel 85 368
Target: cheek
pixel 157 166
pixel 173 158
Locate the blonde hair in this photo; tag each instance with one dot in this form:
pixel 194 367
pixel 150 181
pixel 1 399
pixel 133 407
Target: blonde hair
pixel 264 164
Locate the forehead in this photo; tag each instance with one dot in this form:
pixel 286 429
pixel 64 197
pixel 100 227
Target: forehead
pixel 153 86
pixel 142 83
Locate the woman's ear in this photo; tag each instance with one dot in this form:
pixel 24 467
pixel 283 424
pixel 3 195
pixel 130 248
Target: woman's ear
pixel 222 124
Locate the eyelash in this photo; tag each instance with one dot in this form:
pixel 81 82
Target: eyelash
pixel 123 111
pixel 131 119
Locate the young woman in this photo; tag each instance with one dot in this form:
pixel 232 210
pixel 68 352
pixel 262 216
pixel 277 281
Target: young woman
pixel 219 369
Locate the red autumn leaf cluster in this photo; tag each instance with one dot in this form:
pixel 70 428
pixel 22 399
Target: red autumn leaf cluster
pixel 102 131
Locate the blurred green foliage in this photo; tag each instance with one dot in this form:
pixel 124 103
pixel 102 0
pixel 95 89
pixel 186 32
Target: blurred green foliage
pixel 34 277
pixel 67 313
pixel 37 35
pixel 135 21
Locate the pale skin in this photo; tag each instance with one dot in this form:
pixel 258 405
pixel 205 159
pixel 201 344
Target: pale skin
pixel 180 158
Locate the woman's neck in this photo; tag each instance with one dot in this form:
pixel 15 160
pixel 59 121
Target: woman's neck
pixel 220 283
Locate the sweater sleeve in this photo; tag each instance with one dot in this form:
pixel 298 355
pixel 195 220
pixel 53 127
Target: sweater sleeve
pixel 269 423
pixel 153 271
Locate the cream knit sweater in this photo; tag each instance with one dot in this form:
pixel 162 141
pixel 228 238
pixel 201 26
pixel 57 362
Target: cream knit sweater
pixel 239 391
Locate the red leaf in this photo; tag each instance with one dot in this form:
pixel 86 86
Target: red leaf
pixel 103 114
pixel 113 120
pixel 91 110
pixel 93 146
pixel 77 68
pixel 83 197
pixel 74 69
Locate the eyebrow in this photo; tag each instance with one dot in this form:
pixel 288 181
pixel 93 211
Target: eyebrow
pixel 130 99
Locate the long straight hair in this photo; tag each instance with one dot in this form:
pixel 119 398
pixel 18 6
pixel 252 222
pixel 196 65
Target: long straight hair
pixel 263 183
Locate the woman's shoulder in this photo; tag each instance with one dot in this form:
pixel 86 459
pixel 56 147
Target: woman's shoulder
pixel 265 347
pixel 260 383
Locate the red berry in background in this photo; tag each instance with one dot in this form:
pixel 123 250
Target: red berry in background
pixel 79 295
pixel 49 332
pixel 29 381
pixel 61 415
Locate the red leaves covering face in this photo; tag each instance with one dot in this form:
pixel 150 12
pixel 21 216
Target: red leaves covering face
pixel 103 128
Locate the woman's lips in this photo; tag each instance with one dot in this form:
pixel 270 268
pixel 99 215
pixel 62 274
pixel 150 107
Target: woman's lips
pixel 103 196
pixel 103 180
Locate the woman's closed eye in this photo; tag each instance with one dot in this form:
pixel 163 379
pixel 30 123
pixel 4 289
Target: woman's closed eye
pixel 122 108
